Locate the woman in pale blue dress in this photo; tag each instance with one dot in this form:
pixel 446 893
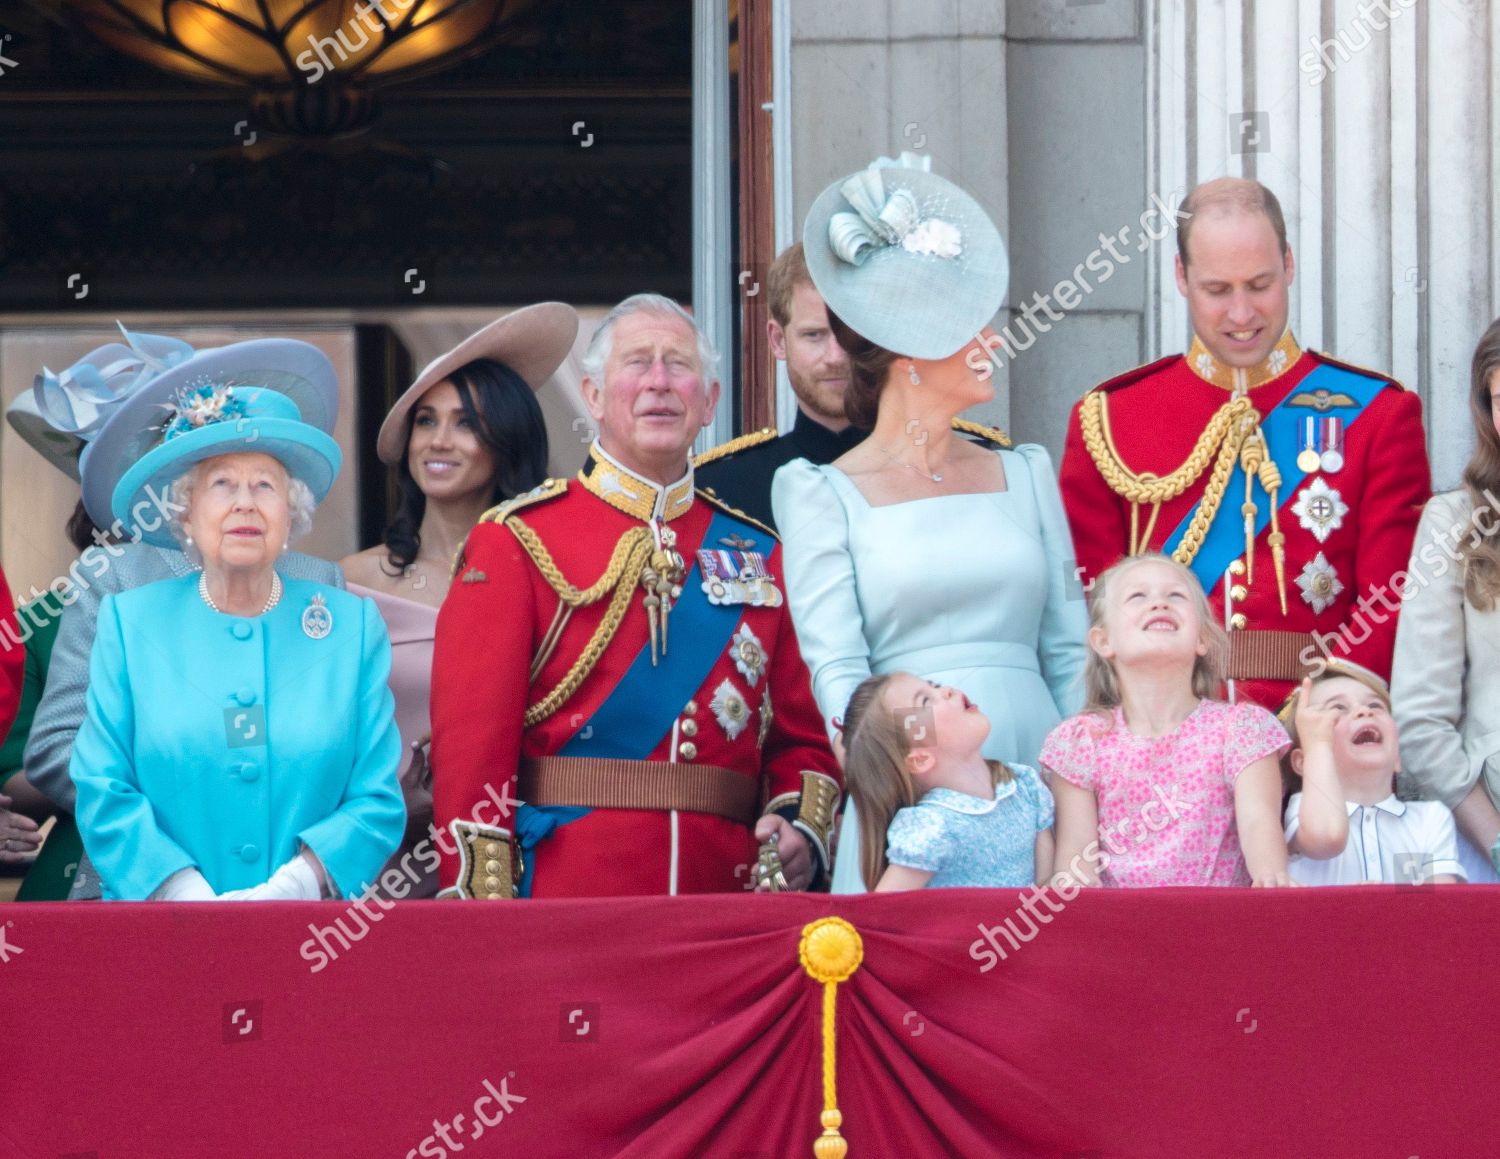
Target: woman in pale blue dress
pixel 918 550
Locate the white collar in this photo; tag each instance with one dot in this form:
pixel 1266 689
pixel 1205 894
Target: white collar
pixel 1392 805
pixel 957 802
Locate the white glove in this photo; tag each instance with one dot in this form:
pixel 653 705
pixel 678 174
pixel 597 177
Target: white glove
pixel 297 880
pixel 184 885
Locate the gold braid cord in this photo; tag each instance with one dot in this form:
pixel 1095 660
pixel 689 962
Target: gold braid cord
pixel 831 951
pixel 619 581
pixel 1220 441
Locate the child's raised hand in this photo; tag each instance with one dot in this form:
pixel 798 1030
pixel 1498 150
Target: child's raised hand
pixel 1314 724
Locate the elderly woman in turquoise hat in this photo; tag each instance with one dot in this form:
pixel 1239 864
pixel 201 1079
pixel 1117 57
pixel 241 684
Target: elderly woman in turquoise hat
pixel 240 740
pixel 920 551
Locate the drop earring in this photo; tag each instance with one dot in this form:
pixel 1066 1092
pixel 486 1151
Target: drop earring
pixel 911 369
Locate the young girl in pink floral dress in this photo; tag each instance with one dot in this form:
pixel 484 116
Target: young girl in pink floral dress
pixel 1156 781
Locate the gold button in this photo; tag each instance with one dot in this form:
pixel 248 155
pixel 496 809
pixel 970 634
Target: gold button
pixel 492 867
pixel 690 728
pixel 1237 622
pixel 492 885
pixel 1238 592
pixel 1237 567
pixel 491 849
pixel 690 708
pixel 688 751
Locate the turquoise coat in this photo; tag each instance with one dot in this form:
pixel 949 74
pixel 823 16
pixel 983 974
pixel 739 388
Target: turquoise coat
pixel 224 742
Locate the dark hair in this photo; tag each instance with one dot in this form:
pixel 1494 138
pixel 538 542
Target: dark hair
pixel 80 528
pixel 1481 552
pixel 868 366
pixel 506 419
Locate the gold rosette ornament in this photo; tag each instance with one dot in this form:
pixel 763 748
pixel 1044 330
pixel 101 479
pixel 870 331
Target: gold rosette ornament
pixel 830 951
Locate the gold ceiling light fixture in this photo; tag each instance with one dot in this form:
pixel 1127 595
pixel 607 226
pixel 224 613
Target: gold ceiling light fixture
pixel 311 65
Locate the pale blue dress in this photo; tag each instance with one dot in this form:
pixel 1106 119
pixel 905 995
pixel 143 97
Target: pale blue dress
pixel 966 841
pixel 977 591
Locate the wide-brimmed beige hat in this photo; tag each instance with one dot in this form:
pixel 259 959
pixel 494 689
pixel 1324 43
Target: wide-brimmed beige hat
pixel 532 341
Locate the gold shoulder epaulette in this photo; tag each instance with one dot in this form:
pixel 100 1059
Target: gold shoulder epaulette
pixel 708 496
pixel 1357 369
pixel 735 446
pixel 546 489
pixel 989 434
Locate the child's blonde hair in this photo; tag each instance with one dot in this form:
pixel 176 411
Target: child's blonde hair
pixel 876 745
pixel 1101 687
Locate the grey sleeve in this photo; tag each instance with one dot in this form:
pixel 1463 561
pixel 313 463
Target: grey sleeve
pixel 296 565
pixel 49 748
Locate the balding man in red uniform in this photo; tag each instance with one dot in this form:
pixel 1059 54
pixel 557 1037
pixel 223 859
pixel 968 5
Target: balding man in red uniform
pixel 616 653
pixel 1291 483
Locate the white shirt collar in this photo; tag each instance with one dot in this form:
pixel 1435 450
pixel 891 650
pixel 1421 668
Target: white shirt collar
pixel 1392 805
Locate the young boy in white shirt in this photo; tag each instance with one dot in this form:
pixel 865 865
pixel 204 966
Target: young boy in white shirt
pixel 1346 826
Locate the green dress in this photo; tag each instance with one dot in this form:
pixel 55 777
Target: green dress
pixel 51 874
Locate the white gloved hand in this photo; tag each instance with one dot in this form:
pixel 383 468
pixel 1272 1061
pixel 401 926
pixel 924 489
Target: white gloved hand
pixel 184 885
pixel 297 880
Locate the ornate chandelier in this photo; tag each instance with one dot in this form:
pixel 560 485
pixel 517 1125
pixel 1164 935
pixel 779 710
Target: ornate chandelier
pixel 311 64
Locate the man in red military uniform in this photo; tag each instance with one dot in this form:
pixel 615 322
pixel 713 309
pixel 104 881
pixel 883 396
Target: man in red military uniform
pixel 1289 482
pixel 617 655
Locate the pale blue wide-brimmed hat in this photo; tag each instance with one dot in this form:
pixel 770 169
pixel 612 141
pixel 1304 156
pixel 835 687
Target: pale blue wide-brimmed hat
pixel 906 258
pixel 63 411
pixel 136 425
pixel 210 420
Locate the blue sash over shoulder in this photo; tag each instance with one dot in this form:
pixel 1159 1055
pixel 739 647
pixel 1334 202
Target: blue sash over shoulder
pixel 1225 540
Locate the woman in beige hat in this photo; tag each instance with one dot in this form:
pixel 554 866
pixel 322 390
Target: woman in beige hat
pixel 466 435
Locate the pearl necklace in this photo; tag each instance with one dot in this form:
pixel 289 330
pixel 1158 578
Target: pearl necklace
pixel 271 600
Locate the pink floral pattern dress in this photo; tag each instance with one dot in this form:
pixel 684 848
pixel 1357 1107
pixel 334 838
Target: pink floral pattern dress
pixel 1166 803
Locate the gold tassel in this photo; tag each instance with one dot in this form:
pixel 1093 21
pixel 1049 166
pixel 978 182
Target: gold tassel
pixel 831 951
pixel 1270 479
pixel 1251 458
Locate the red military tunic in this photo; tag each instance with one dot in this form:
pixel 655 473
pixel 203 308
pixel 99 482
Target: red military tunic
pixel 1348 531
pixel 12 661
pixel 499 619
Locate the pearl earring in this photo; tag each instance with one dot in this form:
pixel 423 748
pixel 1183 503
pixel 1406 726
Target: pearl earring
pixel 911 368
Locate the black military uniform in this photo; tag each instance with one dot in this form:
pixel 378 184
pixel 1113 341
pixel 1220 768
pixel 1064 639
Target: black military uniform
pixel 740 471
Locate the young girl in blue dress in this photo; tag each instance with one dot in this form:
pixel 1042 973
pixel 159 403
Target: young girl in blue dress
pixel 932 811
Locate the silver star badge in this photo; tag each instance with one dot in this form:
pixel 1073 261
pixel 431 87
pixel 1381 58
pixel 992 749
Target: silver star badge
pixel 749 656
pixel 729 709
pixel 1320 509
pixel 1319 583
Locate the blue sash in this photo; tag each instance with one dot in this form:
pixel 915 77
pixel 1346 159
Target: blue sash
pixel 1225 541
pixel 643 706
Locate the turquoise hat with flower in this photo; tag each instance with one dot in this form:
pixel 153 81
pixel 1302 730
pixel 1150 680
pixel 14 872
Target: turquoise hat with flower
pixel 212 419
pixel 216 398
pixel 905 258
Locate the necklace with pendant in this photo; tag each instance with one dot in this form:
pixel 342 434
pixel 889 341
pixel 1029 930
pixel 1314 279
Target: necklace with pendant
pixel 271 600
